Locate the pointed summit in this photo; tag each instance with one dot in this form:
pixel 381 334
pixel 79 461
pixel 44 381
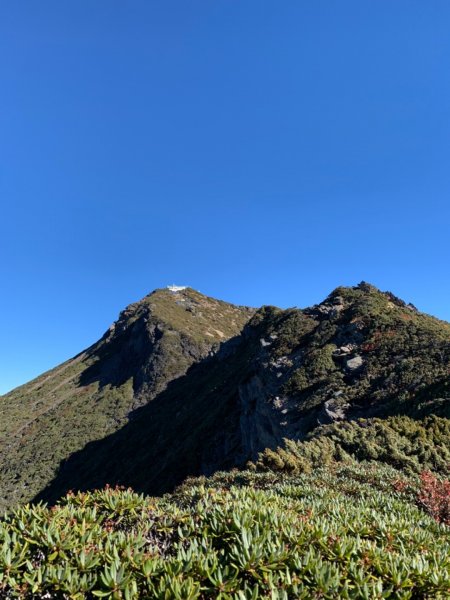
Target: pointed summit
pixel 153 342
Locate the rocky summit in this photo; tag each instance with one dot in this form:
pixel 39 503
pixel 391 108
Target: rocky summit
pixel 182 384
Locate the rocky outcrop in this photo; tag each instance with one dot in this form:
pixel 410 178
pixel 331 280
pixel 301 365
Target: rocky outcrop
pixel 333 410
pixel 354 363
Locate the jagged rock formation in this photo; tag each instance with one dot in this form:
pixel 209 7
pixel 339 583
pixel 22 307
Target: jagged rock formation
pixel 183 384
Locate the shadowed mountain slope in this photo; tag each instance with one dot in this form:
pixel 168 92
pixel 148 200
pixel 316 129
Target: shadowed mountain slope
pixel 153 342
pixel 291 374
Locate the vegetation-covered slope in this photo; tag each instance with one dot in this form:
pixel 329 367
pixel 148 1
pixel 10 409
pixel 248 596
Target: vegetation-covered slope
pixel 185 385
pixel 292 374
pixel 349 532
pixel 157 399
pixel 153 342
pixel 408 444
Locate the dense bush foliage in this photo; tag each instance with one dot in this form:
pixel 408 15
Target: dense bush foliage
pixel 339 533
pixel 434 496
pixel 403 442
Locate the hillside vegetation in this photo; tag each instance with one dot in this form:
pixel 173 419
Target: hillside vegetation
pixel 290 375
pixel 347 532
pixel 404 443
pixel 92 395
pixel 338 417
pixel 187 385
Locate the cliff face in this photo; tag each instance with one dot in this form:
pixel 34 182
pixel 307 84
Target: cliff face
pixel 183 384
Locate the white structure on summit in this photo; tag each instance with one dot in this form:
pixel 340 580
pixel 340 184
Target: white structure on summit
pixel 176 288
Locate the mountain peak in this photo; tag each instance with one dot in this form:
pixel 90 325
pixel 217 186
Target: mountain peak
pixel 183 383
pixel 153 342
pixel 365 293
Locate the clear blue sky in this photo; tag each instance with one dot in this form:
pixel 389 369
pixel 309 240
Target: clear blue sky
pixel 261 152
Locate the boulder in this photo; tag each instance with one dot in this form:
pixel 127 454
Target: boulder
pixel 354 363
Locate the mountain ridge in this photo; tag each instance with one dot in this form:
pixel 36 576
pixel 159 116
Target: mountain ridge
pixel 211 385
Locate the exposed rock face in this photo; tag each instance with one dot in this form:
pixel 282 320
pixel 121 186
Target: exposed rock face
pixel 354 363
pixel 347 349
pixel 183 384
pixel 264 420
pixel 333 410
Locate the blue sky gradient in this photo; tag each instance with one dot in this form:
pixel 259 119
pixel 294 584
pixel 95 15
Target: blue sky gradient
pixel 261 152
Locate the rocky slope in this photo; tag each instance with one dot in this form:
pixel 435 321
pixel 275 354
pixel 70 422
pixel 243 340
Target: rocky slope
pixel 185 385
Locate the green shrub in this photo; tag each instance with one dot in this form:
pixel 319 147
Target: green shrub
pixel 403 442
pixel 344 532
